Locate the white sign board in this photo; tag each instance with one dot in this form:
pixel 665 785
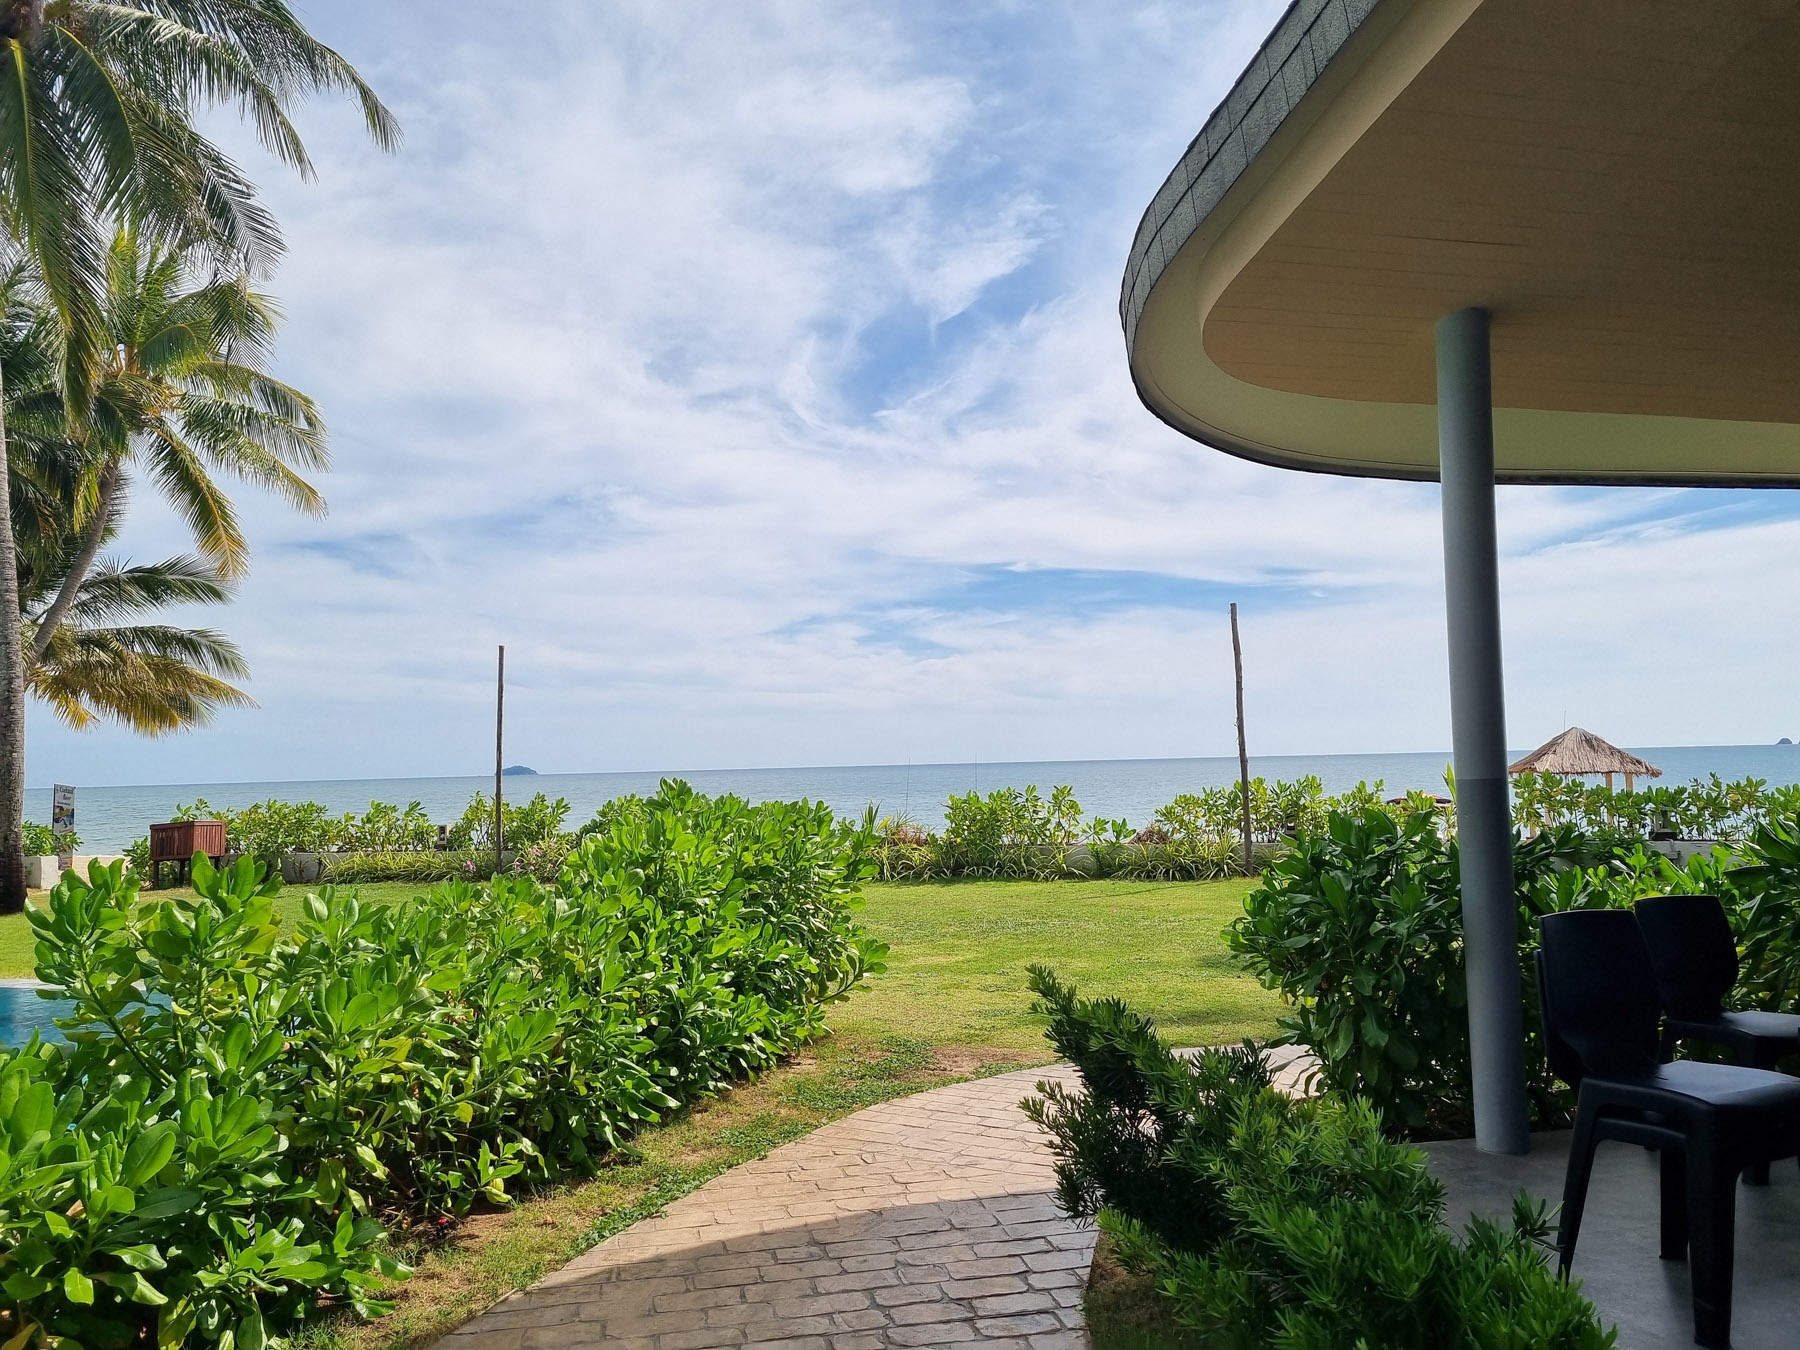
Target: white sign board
pixel 62 820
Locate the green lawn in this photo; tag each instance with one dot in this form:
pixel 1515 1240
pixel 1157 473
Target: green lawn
pixel 952 1005
pixel 956 975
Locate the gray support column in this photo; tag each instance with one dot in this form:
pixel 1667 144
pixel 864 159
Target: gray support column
pixel 1478 732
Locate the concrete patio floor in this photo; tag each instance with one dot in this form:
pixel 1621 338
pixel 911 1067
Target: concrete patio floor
pixel 1616 1260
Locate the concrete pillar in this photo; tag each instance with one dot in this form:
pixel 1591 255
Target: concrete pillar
pixel 1478 732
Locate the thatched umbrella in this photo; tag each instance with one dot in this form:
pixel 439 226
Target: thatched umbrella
pixel 1576 753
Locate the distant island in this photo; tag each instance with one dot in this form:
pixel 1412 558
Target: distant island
pixel 518 771
pixel 1784 741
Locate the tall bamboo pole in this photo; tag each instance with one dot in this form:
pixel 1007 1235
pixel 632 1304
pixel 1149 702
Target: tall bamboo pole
pixel 499 751
pixel 1237 665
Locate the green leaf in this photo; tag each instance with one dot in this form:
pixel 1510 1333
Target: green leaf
pixel 77 1287
pixel 168 1201
pixel 142 1256
pixel 24 1286
pixel 148 1154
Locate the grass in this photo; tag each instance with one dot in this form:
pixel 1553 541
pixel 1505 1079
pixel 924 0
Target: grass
pixel 952 1005
pixel 1124 1311
pixel 956 975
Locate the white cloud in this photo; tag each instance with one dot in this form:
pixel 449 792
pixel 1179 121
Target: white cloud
pixel 696 352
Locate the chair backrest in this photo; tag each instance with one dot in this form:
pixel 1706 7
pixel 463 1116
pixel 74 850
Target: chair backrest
pixel 1598 994
pixel 1692 951
pixel 1564 1062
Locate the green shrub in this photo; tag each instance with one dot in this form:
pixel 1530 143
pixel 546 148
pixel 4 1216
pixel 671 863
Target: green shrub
pixel 523 823
pixel 543 860
pixel 629 806
pixel 266 830
pixel 1360 930
pixel 41 841
pixel 1018 833
pixel 1709 808
pixel 387 828
pixel 1763 891
pixel 238 1105
pixel 1268 1222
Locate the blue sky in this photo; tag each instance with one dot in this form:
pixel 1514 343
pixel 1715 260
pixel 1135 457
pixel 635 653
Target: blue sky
pixel 754 374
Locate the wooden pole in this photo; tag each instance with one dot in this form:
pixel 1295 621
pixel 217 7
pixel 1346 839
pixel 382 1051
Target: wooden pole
pixel 1237 665
pixel 499 753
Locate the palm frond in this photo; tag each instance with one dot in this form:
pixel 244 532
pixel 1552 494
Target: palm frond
pixel 119 590
pixel 181 474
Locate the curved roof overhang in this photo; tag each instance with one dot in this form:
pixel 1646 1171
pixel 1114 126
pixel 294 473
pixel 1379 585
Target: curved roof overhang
pixel 1617 183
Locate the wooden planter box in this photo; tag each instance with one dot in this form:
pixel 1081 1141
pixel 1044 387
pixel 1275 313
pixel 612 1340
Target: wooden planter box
pixel 177 841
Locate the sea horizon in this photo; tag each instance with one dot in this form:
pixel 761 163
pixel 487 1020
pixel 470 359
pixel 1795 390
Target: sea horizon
pixel 110 816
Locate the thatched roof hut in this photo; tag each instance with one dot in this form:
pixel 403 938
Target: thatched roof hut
pixel 1577 752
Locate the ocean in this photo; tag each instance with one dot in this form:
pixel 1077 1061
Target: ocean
pixel 109 818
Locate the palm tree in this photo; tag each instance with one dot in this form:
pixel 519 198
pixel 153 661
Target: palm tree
pixel 180 391
pixel 97 127
pixel 107 662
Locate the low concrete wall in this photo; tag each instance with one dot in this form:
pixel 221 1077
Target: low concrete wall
pixel 43 873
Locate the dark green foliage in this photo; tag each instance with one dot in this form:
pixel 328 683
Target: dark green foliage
pixel 1360 929
pixel 1128 1138
pixel 401 1061
pixel 1273 1223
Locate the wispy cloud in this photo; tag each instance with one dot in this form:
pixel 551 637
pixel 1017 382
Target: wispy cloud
pixel 753 372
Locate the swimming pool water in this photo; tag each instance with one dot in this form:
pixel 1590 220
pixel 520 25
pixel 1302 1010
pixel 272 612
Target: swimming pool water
pixel 22 1012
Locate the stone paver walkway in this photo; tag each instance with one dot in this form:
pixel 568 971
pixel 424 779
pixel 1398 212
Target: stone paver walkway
pixel 925 1221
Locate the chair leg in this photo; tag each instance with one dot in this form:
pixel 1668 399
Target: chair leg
pixel 1712 1211
pixel 1757 1055
pixel 1575 1183
pixel 1674 1204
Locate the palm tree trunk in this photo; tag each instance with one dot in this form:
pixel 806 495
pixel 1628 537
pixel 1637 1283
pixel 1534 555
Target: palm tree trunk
pixel 12 699
pixel 79 569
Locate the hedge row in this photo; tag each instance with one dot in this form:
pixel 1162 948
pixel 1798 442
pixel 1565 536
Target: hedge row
pixel 242 1109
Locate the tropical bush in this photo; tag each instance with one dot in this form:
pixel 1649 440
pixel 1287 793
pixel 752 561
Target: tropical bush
pixel 241 1108
pixel 266 830
pixel 41 841
pixel 1709 808
pixel 1019 833
pixel 1359 928
pixel 1271 1222
pixel 630 806
pixel 387 828
pixel 543 860
pixel 522 823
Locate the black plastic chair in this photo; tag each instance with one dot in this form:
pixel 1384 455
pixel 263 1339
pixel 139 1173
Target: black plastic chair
pixel 1709 1121
pixel 1694 954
